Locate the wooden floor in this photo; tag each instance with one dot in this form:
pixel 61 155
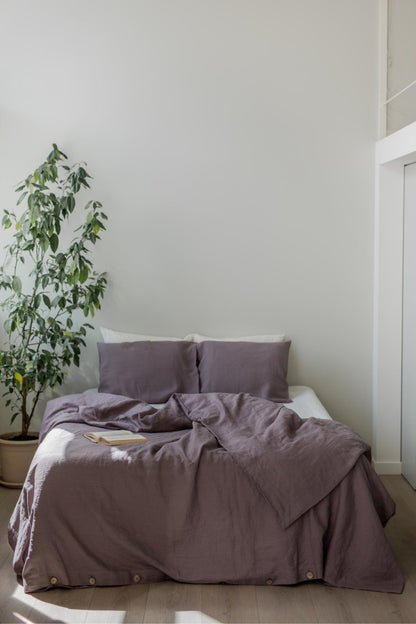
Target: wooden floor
pixel 176 602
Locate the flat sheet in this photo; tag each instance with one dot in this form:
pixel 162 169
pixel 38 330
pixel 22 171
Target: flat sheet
pixel 229 488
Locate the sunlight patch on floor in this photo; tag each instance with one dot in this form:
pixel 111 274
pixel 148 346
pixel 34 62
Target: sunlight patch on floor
pixel 193 617
pixel 21 618
pixel 31 609
pixel 104 617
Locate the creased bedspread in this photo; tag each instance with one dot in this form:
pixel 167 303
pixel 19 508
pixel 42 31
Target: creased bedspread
pixel 229 488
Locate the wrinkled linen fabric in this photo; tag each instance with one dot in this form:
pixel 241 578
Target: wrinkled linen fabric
pixel 229 488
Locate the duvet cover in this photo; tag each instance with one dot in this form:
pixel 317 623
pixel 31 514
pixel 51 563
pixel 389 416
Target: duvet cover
pixel 228 488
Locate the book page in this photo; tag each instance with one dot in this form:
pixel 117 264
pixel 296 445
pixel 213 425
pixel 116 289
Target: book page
pixel 120 436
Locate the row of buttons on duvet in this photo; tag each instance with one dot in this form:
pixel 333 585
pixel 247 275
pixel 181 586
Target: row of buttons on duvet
pixel 137 579
pixel 91 581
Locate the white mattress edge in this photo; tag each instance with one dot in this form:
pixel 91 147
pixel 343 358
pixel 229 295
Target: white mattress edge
pixel 306 403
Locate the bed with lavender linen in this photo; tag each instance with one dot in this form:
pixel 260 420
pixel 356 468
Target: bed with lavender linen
pixel 228 488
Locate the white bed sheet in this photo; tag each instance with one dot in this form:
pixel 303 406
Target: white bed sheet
pixel 304 402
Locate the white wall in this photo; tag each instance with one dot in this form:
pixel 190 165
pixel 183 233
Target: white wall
pixel 401 69
pixel 232 143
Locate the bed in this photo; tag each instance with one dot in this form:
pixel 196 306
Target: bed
pixel 239 487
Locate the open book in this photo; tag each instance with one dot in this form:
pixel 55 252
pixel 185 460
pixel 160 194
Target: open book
pixel 117 436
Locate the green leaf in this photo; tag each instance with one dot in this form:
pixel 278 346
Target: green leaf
pixel 83 276
pixel 46 301
pixel 17 284
pixel 54 242
pixel 44 242
pixel 31 201
pixel 21 198
pixel 71 202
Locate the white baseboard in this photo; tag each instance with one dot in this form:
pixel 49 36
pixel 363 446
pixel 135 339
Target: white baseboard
pixel 387 468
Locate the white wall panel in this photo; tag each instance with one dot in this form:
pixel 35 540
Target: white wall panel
pixel 409 328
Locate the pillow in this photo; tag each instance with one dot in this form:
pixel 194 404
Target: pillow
pixel 111 335
pixel 271 338
pixel 257 368
pixel 149 371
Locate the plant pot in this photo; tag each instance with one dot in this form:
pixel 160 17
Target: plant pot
pixel 15 458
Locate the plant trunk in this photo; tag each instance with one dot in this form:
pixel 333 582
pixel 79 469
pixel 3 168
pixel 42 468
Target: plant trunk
pixel 25 418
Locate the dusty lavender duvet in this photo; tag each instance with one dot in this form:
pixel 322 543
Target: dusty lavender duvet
pixel 228 488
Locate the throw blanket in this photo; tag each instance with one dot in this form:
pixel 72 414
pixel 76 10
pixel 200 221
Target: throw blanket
pixel 228 488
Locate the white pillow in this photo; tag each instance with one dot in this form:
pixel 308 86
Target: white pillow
pixel 201 338
pixel 111 335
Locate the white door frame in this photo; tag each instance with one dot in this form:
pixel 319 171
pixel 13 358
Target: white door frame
pixel 392 154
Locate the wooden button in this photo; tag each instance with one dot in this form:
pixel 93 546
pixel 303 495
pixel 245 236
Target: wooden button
pixel 309 575
pixel 91 580
pixel 269 581
pixel 137 578
pixel 53 580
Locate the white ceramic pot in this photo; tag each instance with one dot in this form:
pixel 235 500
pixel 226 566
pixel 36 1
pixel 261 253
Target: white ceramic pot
pixel 15 458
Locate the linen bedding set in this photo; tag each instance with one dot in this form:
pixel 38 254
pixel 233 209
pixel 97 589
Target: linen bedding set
pixel 232 486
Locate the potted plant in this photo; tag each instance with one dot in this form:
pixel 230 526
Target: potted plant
pixel 46 284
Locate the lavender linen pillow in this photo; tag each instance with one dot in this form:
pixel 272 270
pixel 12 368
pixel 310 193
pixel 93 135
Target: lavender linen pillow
pixel 257 368
pixel 149 371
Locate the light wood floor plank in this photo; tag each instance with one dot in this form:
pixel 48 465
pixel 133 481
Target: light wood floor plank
pixel 63 606
pixel 164 600
pixel 332 604
pixel 285 604
pixel 229 603
pixel 207 604
pixel 117 604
